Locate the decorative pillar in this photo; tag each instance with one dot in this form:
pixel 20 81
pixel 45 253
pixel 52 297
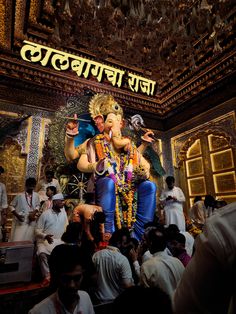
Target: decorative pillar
pixel 33 155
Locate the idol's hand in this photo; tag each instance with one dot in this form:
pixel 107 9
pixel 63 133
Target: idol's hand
pixel 72 127
pixel 148 137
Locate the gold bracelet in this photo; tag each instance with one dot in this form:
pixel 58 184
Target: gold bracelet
pixel 92 167
pixel 70 136
pixel 81 150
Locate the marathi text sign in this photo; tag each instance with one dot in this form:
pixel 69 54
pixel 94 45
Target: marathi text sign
pixel 62 61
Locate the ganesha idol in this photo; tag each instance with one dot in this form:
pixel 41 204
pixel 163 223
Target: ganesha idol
pixel 114 163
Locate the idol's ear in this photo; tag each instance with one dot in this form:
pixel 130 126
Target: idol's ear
pixel 99 122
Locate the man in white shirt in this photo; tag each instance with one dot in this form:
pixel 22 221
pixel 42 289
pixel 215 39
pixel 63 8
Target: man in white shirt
pixel 50 191
pixel 113 268
pixel 161 270
pixel 67 264
pixel 3 204
pixel 49 180
pixel 208 283
pixel 172 199
pixel 25 209
pixel 49 229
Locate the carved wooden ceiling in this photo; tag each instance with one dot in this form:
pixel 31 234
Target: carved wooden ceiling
pixel 186 46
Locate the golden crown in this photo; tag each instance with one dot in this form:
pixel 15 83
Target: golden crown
pixel 103 104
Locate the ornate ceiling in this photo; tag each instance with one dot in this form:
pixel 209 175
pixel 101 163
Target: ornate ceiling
pixel 186 46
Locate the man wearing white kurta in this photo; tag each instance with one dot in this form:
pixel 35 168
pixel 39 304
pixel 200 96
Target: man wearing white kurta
pixel 113 269
pixel 172 199
pixel 49 229
pixel 45 183
pixel 3 203
pixel 160 270
pixel 25 207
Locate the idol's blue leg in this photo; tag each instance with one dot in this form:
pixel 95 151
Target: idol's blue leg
pixel 106 198
pixel 146 207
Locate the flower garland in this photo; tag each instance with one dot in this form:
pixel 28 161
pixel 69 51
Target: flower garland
pixel 120 170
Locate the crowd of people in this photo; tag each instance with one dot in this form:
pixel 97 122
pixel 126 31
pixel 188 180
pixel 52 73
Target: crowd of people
pixel 86 270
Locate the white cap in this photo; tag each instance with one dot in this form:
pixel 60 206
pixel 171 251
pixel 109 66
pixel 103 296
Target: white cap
pixel 58 196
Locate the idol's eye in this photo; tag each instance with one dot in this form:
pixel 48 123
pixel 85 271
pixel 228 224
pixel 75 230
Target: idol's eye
pixel 116 107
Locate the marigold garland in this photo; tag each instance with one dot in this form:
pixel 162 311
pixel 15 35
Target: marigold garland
pixel 122 175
